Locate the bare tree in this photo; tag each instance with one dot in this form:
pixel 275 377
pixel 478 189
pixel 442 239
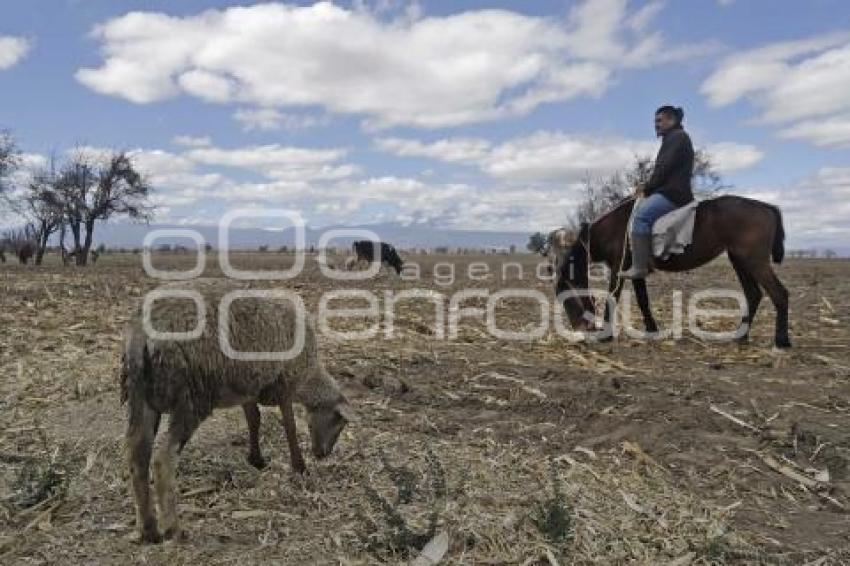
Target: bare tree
pixel 603 193
pixel 43 207
pixel 93 188
pixel 707 180
pixel 8 157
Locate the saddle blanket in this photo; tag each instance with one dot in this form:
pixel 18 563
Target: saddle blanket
pixel 674 231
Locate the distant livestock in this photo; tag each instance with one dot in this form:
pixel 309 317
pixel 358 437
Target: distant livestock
pixel 190 378
pixel 24 250
pixel 364 250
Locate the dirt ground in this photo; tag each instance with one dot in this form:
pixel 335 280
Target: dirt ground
pixel 680 451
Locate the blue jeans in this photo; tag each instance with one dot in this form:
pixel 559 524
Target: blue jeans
pixel 650 209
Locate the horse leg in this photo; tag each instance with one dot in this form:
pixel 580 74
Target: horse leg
pixel 752 292
pixel 615 287
pixel 778 294
pixel 642 296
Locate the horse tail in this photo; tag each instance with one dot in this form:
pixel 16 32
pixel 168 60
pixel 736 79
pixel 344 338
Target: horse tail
pixel 778 251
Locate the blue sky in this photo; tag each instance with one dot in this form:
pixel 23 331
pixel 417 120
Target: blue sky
pixel 474 114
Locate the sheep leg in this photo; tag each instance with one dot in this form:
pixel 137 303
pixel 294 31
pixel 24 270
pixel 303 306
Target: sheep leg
pixel 252 417
pixel 180 428
pixel 141 431
pixel 295 456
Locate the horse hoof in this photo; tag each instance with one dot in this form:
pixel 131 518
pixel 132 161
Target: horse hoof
pixel 783 343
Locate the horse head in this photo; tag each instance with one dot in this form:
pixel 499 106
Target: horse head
pixel 558 244
pixel 569 256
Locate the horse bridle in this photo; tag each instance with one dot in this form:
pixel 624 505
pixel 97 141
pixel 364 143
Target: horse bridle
pixel 586 244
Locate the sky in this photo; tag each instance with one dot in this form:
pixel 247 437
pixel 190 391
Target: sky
pixel 464 115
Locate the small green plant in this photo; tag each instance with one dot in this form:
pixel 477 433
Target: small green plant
pixel 40 478
pixel 403 478
pixel 396 536
pixel 553 516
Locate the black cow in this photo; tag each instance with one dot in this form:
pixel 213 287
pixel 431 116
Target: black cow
pixel 22 249
pixel 365 250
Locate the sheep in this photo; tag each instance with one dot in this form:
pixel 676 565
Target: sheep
pixel 190 378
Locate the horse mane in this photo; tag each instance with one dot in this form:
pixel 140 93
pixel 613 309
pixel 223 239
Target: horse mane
pixel 618 205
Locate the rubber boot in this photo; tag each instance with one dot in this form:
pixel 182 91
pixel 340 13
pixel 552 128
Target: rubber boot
pixel 641 249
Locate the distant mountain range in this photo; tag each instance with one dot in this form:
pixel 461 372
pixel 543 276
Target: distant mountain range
pixel 128 235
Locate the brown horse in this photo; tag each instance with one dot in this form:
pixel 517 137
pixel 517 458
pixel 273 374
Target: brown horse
pixel 749 231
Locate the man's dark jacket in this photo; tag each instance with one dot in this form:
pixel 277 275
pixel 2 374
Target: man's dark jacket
pixel 674 167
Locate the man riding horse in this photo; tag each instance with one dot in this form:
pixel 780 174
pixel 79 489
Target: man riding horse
pixel 748 231
pixel 668 188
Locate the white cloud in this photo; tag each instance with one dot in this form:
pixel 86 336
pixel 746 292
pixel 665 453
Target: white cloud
pixel 643 17
pixel 176 179
pixel 594 29
pixel 12 50
pixel 187 191
pixel 540 157
pixel 17 181
pixel 279 162
pixel 460 206
pixel 32 161
pixel 816 209
pixel 270 119
pixel 191 141
pixel 556 156
pixel 791 81
pixel 536 180
pixel 530 189
pixel 452 150
pixel 423 71
pixel 605 31
pixel 195 177
pixel 206 85
pixel 834 131
pixel 728 157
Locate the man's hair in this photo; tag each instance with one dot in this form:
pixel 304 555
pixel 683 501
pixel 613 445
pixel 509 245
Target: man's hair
pixel 674 111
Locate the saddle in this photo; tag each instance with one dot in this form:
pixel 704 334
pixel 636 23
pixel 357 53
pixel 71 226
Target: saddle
pixel 674 231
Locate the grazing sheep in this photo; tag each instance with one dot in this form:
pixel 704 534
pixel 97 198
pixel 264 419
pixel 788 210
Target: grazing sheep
pixel 190 378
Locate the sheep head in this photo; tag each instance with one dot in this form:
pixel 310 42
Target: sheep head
pixel 326 424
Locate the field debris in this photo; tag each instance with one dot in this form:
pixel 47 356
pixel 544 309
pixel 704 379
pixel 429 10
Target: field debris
pixel 734 419
pixel 475 450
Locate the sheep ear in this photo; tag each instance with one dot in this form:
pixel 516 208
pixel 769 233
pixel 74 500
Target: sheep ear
pixel 347 412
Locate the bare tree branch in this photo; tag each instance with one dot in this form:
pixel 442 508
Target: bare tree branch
pixel 603 193
pixel 93 188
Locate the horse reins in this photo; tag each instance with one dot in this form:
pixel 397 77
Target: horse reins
pixel 586 245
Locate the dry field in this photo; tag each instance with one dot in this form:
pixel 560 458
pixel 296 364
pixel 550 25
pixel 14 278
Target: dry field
pixel 541 452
